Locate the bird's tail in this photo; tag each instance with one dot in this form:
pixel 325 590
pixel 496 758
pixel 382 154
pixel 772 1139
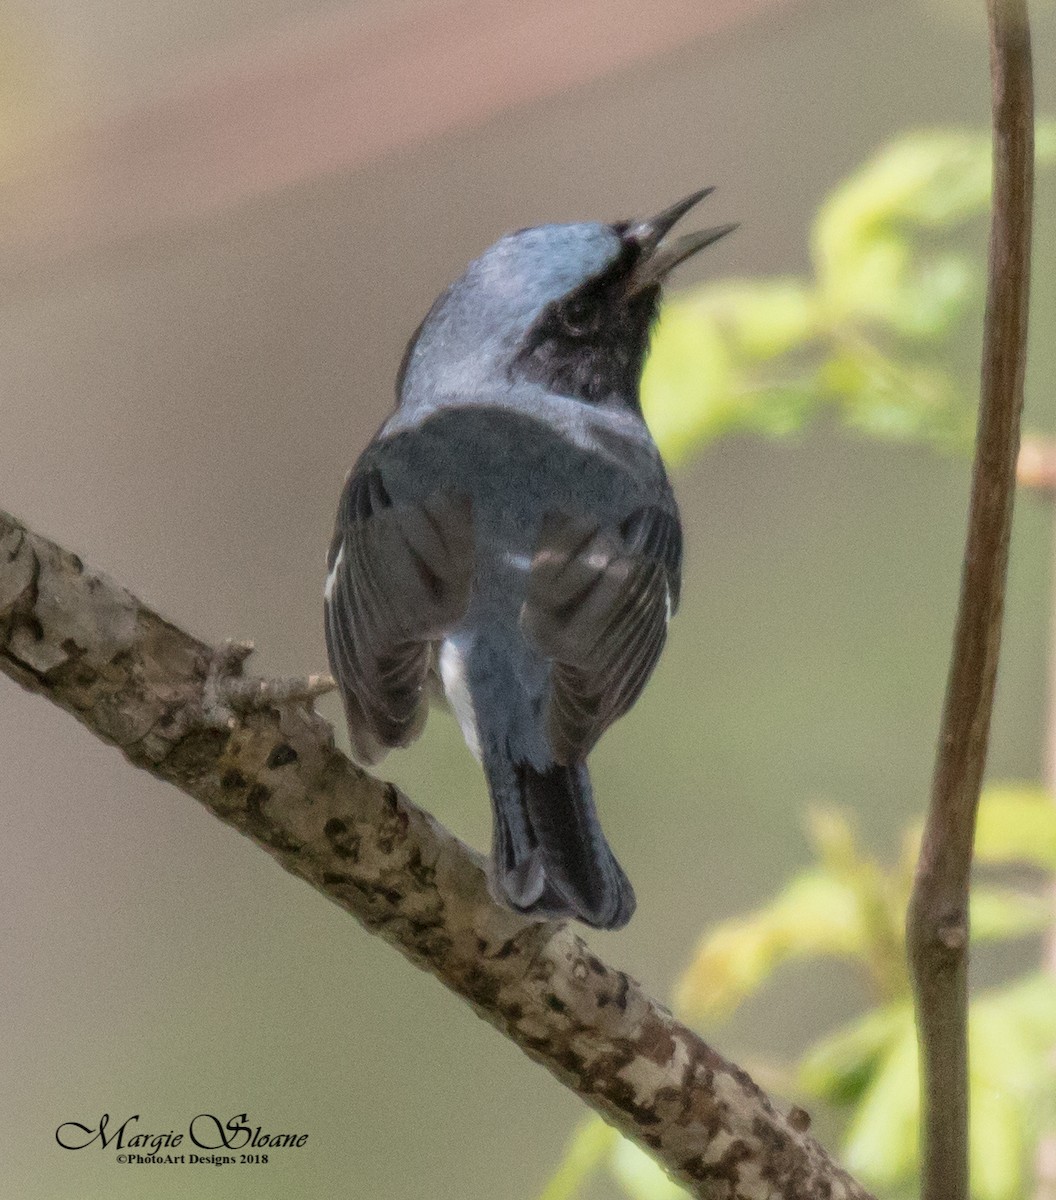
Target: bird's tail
pixel 549 854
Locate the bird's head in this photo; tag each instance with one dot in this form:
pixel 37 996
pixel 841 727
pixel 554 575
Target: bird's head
pixel 568 307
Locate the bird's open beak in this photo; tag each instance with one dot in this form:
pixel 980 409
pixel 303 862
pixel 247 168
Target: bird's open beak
pixel 659 257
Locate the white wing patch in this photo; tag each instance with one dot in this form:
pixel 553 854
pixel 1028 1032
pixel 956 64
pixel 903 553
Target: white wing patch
pixel 331 579
pixel 456 688
pixel 519 562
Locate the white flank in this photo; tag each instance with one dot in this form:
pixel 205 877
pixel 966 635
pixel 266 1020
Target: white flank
pixel 331 579
pixel 453 673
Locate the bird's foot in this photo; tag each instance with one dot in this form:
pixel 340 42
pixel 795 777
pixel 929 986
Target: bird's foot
pixel 228 692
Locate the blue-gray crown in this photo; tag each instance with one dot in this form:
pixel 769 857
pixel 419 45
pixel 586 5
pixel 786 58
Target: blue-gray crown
pixel 568 306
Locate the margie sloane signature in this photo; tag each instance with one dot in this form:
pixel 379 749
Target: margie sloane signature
pixel 206 1131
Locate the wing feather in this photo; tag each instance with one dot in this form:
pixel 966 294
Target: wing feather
pixel 598 604
pixel 399 580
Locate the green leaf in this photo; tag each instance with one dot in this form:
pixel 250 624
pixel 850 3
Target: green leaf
pixel 871 1066
pixel 996 1160
pixel 1011 1034
pixel 834 840
pixel 698 384
pixel 816 915
pixel 1029 1004
pixel 881 895
pixel 931 178
pixel 896 400
pixel 778 409
pixel 687 382
pixel 842 1066
pixel 759 318
pixel 768 356
pixel 934 296
pixel 870 266
pixel 639 1175
pixel 881 1143
pixel 1017 824
pixel 585 1151
pixel 1045 141
pixel 998 914
pixel 1000 1083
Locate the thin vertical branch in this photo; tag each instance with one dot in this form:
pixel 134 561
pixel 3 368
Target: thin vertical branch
pixel 937 930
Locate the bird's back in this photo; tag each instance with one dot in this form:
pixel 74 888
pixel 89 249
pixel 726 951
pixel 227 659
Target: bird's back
pixel 517 462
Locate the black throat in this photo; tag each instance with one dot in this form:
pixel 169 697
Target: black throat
pixel 591 344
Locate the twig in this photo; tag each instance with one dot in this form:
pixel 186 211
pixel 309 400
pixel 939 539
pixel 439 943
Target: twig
pixel 271 770
pixel 937 931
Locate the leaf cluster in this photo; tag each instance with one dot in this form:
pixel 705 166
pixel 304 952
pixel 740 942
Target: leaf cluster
pixel 850 907
pixel 867 338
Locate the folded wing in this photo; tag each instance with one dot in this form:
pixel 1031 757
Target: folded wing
pixel 399 580
pixel 598 603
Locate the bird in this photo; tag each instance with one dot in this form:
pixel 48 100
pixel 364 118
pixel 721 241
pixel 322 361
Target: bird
pixel 510 541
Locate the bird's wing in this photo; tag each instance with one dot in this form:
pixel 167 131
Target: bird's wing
pixel 598 604
pixel 399 581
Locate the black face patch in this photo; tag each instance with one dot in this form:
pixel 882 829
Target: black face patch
pixel 591 343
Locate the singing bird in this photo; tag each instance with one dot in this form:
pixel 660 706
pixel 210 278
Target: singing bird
pixel 511 530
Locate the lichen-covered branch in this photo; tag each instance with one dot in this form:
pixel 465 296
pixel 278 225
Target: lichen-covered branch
pixel 270 769
pixel 937 931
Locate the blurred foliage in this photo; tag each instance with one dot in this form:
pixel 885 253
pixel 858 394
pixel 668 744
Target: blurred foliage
pixel 867 338
pixel 851 907
pixel 869 1068
pixel 591 1145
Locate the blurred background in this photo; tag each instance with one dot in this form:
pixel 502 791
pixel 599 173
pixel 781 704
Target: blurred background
pixel 219 224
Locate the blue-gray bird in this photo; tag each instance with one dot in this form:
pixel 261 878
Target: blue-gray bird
pixel 511 530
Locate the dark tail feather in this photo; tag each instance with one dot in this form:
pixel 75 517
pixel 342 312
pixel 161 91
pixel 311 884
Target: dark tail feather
pixel 550 857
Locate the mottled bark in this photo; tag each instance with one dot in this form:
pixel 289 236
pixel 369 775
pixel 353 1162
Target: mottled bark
pixel 937 926
pixel 268 766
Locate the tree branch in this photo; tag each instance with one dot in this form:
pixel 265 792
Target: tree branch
pixel 270 769
pixel 937 931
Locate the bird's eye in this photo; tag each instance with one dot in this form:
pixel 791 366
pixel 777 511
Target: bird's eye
pixel 579 317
